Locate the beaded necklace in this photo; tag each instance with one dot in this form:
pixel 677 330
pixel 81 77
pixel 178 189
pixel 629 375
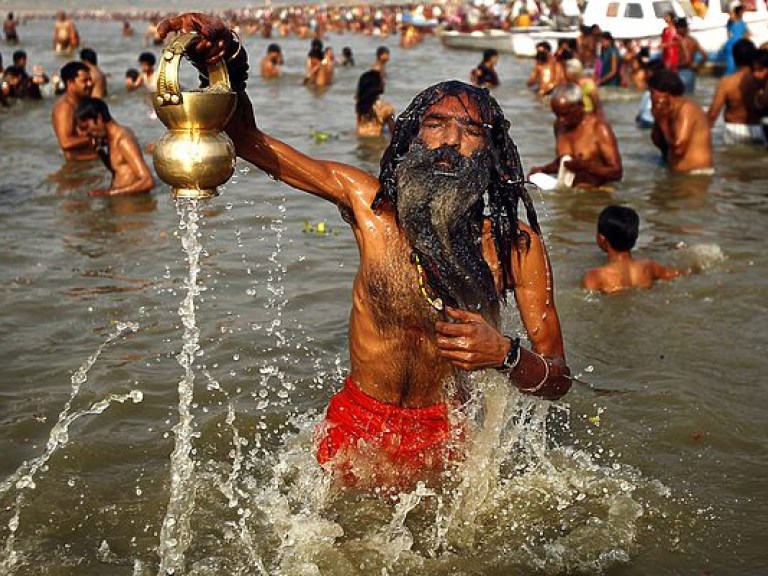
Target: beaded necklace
pixel 436 303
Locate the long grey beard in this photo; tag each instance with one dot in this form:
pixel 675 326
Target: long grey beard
pixel 441 212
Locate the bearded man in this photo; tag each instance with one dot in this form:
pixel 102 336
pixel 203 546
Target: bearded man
pixel 434 268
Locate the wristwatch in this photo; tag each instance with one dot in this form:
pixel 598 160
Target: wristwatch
pixel 512 357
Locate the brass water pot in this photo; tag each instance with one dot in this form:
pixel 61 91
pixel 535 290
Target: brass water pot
pixel 195 155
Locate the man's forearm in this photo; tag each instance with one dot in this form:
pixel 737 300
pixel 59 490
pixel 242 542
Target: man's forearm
pixel 540 376
pixel 138 186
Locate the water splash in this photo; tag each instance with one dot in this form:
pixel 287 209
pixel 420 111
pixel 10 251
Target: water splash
pixel 175 532
pixel 59 436
pixel 520 502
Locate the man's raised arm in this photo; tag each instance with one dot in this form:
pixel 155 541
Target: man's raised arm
pixel 330 180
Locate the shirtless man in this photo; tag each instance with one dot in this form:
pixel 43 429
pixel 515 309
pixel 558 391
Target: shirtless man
pixel 617 230
pixel 736 94
pixel 9 30
pixel 89 58
pixel 587 138
pixel 272 63
pixel 426 298
pixel 547 73
pixel 65 36
pixel 688 66
pixel 146 76
pixel 77 86
pixel 681 130
pixel 117 147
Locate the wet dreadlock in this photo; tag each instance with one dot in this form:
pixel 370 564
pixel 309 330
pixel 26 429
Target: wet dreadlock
pixel 507 180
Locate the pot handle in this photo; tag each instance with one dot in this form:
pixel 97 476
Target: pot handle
pixel 168 86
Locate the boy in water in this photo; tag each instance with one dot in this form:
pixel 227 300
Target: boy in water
pixel 117 148
pixel 617 229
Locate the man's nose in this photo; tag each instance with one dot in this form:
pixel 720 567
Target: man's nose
pixel 452 134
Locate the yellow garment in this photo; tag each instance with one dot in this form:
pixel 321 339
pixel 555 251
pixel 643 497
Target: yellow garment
pixel 523 20
pixel 588 87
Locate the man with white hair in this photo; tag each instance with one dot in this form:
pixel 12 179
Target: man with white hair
pixel 585 143
pixel 574 72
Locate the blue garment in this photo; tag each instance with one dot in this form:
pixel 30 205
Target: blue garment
pixel 688 76
pixel 605 66
pixel 736 31
pixel 644 118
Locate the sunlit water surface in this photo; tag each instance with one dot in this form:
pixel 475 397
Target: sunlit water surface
pixel 655 463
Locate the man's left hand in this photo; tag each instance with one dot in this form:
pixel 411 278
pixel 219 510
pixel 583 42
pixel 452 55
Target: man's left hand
pixel 470 343
pixel 577 164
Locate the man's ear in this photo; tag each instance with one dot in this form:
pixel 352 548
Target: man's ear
pixel 602 241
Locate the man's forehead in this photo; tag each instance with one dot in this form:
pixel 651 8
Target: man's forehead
pixel 460 106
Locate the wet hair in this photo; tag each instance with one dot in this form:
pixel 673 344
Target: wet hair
pixel 507 179
pixel 273 49
pixel 347 52
pixel 147 58
pixel 667 82
pixel 132 73
pixel 489 53
pixel 569 92
pixel 761 58
pixel 70 70
pixel 653 66
pixel 19 55
pixel 681 23
pixel 620 225
pixel 744 52
pixel 13 71
pixel 380 51
pixel 88 55
pixel 545 45
pixel 369 87
pixel 93 109
pixel 565 54
pixel 643 55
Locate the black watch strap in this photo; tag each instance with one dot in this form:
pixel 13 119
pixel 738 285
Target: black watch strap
pixel 513 356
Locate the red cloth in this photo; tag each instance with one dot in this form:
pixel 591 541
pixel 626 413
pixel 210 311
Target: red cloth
pixel 671 52
pixel 362 436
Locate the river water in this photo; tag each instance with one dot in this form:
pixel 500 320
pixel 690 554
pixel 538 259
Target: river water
pixel 654 463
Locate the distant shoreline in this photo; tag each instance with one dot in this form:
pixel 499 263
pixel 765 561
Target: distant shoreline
pixel 143 13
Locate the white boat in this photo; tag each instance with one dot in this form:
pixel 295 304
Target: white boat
pixel 501 40
pixel 643 21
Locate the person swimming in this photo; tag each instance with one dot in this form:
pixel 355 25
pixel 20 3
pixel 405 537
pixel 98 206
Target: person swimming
pixel 617 231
